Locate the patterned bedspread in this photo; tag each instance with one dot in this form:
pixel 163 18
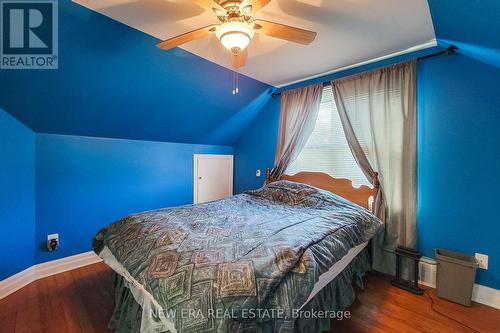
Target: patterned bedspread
pixel 263 249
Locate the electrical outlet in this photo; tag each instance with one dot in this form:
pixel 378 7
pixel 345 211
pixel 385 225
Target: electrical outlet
pixel 482 259
pixel 52 242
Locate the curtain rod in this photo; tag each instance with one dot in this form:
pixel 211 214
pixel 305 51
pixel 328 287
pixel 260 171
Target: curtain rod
pixel 449 50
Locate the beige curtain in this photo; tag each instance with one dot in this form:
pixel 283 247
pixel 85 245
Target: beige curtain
pixel 378 114
pixel 299 111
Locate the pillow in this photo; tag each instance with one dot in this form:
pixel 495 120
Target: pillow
pixel 292 193
pixel 292 186
pixel 303 195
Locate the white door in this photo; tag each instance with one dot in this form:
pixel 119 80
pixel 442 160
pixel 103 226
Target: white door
pixel 213 177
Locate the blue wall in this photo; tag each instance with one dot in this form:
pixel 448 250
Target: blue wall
pixel 458 106
pixel 17 195
pixel 84 183
pixel 473 26
pixel 255 149
pixel 459 159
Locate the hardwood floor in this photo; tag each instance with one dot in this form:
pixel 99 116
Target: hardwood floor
pixel 82 301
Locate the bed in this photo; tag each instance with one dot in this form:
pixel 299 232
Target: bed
pixel 262 261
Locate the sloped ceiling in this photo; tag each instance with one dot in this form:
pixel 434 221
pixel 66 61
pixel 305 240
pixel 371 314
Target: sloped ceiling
pixel 113 82
pixel 349 32
pixel 473 26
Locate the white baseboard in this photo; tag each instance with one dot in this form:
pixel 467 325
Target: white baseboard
pixel 33 273
pixel 480 294
pixel 17 281
pixel 486 295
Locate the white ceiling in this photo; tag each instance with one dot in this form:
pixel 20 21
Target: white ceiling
pixel 349 32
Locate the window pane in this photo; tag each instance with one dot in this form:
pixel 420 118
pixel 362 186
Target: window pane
pixel 326 149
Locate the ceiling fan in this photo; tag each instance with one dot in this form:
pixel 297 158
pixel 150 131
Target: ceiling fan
pixel 237 29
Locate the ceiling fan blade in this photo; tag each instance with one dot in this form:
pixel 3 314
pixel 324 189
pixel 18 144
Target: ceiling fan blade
pixel 285 32
pixel 211 5
pixel 239 59
pixel 250 7
pixel 186 37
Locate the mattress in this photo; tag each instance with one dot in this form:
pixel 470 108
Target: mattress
pixel 334 271
pixel 335 297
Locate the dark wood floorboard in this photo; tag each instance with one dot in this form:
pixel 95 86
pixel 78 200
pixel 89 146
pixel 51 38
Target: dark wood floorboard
pixel 82 300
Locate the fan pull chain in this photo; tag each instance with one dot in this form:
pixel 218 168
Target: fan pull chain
pixel 236 83
pixel 236 78
pixel 236 89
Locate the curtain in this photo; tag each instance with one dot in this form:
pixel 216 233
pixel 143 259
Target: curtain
pixel 379 109
pixel 298 114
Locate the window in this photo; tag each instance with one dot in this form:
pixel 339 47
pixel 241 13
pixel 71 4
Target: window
pixel 327 149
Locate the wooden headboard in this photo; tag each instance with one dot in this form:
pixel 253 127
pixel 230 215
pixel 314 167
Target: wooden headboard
pixel 339 186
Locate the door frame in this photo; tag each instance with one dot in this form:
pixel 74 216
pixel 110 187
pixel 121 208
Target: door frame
pixel 195 171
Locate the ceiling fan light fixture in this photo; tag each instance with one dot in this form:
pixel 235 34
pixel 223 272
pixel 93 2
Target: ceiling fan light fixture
pixel 235 35
pixel 235 40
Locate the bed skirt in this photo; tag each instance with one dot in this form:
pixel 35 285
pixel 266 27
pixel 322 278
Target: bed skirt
pixel 337 296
